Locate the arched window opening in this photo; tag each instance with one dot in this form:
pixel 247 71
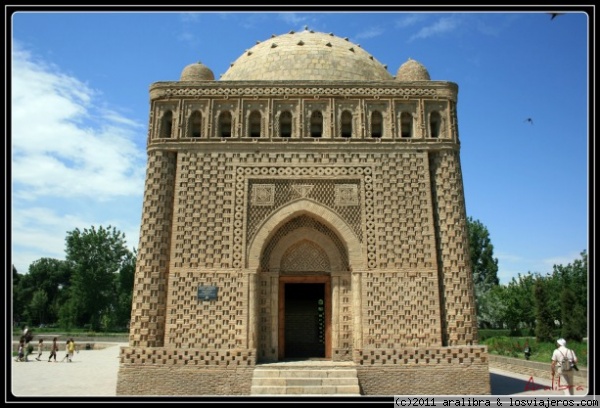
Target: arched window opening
pixel 376 124
pixel 285 124
pixel 316 124
pixel 346 124
pixel 166 125
pixel 254 124
pixel 225 124
pixel 406 124
pixel 435 121
pixel 195 125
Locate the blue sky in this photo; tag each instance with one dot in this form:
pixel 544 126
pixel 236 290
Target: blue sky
pixel 79 106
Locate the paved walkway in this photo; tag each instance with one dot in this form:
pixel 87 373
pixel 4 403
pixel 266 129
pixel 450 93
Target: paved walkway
pixel 93 373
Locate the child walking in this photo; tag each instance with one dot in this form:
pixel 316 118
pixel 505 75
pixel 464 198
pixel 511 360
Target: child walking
pixel 53 349
pixel 21 352
pixel 40 349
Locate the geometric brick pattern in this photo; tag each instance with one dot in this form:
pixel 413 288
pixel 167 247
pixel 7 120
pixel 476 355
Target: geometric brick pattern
pixel 404 235
pixel 149 295
pixel 322 191
pixel 202 224
pixel 458 293
pixel 183 357
pixel 196 323
pixel 423 356
pixel 401 309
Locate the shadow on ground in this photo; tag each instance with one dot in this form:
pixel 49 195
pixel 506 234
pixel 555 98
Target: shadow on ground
pixel 504 385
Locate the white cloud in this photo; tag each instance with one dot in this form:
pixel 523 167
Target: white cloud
pixel 370 33
pixel 409 20
pixel 75 162
pixel 443 25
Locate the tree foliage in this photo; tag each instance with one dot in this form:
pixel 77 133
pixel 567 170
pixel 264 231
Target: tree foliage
pixel 545 322
pixel 485 271
pixel 91 288
pixel 97 256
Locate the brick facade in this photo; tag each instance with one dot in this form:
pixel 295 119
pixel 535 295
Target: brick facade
pixel 254 181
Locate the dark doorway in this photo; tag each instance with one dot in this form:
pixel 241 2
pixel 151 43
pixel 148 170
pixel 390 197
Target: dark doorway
pixel 305 321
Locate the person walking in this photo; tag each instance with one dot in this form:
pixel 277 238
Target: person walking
pixel 71 349
pixel 21 352
pixel 566 361
pixel 66 357
pixel 40 349
pixel 53 349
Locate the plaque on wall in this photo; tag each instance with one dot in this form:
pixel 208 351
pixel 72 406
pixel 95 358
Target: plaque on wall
pixel 207 292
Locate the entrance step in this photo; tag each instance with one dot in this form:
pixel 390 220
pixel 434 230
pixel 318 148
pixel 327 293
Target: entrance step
pixel 305 378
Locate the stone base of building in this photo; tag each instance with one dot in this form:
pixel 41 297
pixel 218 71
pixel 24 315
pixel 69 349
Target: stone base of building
pixel 456 370
pixel 428 371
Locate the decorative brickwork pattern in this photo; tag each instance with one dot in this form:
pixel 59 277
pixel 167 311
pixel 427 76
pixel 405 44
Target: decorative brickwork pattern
pixel 456 278
pixel 187 357
pixel 384 90
pixel 149 293
pixel 199 324
pixel 202 228
pixel 287 189
pixel 303 222
pixel 424 371
pixel 400 310
pixel 402 228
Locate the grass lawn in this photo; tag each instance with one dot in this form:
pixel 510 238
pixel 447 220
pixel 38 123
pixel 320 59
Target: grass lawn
pixel 540 351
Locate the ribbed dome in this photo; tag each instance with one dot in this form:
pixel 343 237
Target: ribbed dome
pixel 197 72
pixel 306 55
pixel 412 70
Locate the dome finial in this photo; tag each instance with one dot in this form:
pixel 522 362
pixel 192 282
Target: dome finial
pixel 305 28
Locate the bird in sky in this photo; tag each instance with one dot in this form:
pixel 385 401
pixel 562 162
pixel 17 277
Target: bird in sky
pixel 529 120
pixel 554 15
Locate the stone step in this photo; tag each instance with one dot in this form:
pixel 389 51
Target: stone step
pixel 305 380
pixel 307 372
pixel 307 390
pixel 299 381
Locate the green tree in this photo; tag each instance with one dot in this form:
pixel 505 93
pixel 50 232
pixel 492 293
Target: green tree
pixel 493 307
pixel 45 274
pixel 484 266
pixel 97 256
pixel 125 290
pixel 519 303
pixel 544 330
pixel 570 283
pixel 573 323
pixel 39 305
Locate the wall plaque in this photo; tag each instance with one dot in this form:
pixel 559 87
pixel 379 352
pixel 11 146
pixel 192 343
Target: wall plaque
pixel 207 292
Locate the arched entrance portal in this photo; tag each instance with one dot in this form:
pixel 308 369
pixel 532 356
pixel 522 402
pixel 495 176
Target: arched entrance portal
pixel 301 264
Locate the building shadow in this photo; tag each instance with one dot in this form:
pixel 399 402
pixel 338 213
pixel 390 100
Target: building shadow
pixel 505 385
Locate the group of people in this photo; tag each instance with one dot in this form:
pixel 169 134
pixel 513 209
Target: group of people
pixel 25 349
pixel 23 352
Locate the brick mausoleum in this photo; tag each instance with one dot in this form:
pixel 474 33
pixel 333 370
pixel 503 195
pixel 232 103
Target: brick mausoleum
pixel 308 206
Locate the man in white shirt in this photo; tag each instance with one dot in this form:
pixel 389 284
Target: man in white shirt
pixel 563 353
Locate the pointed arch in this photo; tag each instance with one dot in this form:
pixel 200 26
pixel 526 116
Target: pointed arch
pixel 435 122
pixel 315 210
pixel 195 125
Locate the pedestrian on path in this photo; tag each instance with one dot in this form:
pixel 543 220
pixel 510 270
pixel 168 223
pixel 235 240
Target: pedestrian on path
pixel 566 361
pixel 71 347
pixel 21 351
pixel 53 349
pixel 66 357
pixel 40 349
